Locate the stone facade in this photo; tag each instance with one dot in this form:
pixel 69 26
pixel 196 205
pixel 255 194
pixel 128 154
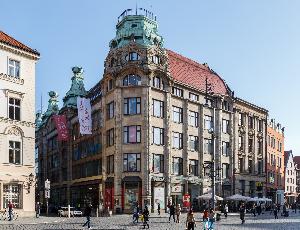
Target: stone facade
pixel 157 129
pixel 17 125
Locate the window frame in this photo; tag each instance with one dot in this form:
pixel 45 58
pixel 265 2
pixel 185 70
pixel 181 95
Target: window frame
pixel 12 151
pixel 126 134
pixel 137 162
pixel 161 108
pixel 127 105
pixel 110 110
pixel 16 109
pixel 14 66
pixel 161 135
pixel 180 166
pixel 161 163
pixel 132 80
pixel 178 113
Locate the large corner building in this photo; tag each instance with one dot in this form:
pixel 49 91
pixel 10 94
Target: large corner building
pixel 153 130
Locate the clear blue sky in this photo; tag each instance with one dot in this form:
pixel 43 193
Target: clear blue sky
pixel 254 45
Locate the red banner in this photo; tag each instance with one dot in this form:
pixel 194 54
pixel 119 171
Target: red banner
pixel 61 126
pixel 186 201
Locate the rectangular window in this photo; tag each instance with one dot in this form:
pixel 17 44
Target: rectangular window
pixel 178 92
pixel 260 147
pixel 250 166
pixel 241 143
pixel 250 145
pixel 208 146
pixel 193 118
pixel 225 148
pixel 156 82
pixel 110 110
pixel 132 105
pixel 158 136
pixel 177 140
pixel 158 108
pixel 110 137
pixel 110 85
pixel 14 68
pixel 193 143
pixel 14 109
pixel 132 134
pixel 225 106
pixel 14 152
pixel 110 164
pixel 193 168
pixel 225 171
pixel 194 97
pixel 242 164
pixel 12 193
pixel 158 163
pixel 208 122
pixel 177 114
pixel 260 125
pixel 177 166
pixel 241 119
pixel 260 166
pixel 225 126
pixel 132 162
pixel 251 122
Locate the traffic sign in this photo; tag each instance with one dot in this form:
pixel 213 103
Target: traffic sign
pixel 47 184
pixel 47 194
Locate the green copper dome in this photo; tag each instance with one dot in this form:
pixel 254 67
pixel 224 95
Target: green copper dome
pixel 140 27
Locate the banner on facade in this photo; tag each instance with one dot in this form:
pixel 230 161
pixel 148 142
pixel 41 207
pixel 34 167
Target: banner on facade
pixel 61 126
pixel 84 115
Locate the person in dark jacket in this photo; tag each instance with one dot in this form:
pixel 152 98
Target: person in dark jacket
pixel 172 212
pixel 10 209
pixel 37 210
pixel 158 208
pixel 275 211
pixel 87 214
pixel 242 212
pixel 146 217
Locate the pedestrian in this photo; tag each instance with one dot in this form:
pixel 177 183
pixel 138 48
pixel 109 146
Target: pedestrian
pixel 87 214
pixel 205 215
pixel 211 219
pixel 242 213
pixel 10 209
pixel 146 217
pixel 190 220
pixel 135 215
pixel 172 212
pixel 295 207
pixel 254 209
pixel 226 210
pixel 158 208
pixel 275 212
pixel 37 210
pixel 178 212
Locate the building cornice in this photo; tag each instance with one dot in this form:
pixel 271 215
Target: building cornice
pixel 19 52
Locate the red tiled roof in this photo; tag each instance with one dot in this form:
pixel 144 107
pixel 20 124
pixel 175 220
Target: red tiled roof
pixel 8 40
pixel 194 74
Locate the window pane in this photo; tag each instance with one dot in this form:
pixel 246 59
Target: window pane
pixel 17 157
pixel 11 156
pixel 17 113
pixel 11 112
pixel 17 145
pixel 132 134
pixel 132 106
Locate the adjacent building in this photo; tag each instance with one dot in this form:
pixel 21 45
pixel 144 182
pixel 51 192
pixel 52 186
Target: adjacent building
pixel 158 117
pixel 275 162
pixel 17 125
pixel 290 178
pixel 297 166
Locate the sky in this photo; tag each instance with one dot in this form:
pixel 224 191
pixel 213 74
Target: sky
pixel 253 45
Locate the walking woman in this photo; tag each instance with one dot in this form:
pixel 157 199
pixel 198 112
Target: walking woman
pixel 190 220
pixel 146 217
pixel 87 213
pixel 178 212
pixel 211 219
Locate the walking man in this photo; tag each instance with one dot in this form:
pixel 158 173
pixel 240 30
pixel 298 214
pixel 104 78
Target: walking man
pixel 190 220
pixel 242 213
pixel 158 208
pixel 37 210
pixel 275 212
pixel 172 212
pixel 146 217
pixel 10 209
pixel 87 213
pixel 225 210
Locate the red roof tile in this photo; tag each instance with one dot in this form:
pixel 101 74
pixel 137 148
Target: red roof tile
pixel 194 74
pixel 8 40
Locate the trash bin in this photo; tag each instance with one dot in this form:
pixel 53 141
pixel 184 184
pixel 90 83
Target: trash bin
pixel 218 217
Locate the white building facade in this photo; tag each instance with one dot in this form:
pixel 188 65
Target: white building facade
pixel 290 178
pixel 17 125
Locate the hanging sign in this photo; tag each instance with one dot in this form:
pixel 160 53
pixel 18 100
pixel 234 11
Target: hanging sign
pixel 61 126
pixel 84 115
pixel 186 200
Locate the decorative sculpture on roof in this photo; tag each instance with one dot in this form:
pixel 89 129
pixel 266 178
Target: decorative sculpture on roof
pixel 52 105
pixel 77 88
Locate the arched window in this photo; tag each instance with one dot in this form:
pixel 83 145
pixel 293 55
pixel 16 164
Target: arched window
pixel 132 79
pixel 155 59
pixel 132 56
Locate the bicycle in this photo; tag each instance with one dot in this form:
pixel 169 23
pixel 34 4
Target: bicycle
pixel 5 215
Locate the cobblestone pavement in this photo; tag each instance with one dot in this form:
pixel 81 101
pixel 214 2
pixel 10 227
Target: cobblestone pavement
pixel 265 222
